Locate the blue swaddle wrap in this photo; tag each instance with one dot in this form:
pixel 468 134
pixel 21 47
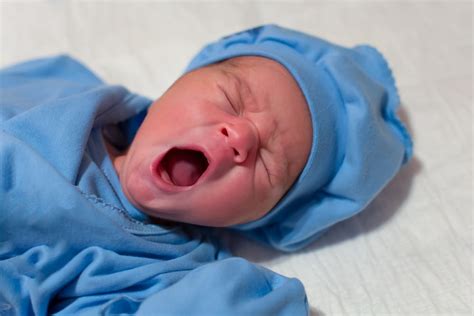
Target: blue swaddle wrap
pixel 70 242
pixel 358 142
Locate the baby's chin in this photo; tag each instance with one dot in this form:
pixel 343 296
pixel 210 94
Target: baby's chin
pixel 137 194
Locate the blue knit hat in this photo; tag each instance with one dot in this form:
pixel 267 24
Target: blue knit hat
pixel 358 145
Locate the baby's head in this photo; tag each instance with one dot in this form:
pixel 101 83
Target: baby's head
pixel 271 131
pixel 221 146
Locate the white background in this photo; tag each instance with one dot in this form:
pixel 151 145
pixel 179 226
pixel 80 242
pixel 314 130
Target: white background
pixel 410 252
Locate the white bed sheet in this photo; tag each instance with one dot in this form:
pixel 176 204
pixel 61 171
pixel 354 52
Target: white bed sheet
pixel 410 252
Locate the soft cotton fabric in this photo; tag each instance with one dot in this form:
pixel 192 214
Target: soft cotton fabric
pixel 70 243
pixel 359 143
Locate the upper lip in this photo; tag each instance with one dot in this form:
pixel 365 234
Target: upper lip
pixel 166 185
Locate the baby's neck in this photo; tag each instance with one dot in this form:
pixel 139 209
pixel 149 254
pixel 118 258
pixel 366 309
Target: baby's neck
pixel 117 157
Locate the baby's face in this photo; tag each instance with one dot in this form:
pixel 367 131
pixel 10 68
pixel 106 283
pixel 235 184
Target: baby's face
pixel 221 146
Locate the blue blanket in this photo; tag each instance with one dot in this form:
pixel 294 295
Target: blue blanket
pixel 69 240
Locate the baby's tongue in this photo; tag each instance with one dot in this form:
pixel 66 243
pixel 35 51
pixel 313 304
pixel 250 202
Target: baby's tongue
pixel 185 167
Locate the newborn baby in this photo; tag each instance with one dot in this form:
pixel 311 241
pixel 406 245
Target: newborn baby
pixel 221 146
pixel 271 132
pixel 261 115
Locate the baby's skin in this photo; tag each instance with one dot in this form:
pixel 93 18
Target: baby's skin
pixel 220 147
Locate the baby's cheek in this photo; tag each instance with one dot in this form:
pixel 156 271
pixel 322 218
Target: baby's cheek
pixel 223 202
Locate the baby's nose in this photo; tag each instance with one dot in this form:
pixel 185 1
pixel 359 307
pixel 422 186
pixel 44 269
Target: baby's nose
pixel 242 137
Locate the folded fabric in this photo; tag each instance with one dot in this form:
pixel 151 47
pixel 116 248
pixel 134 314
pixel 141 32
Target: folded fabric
pixel 359 143
pixel 70 243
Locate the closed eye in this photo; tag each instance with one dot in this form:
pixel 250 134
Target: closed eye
pixel 229 101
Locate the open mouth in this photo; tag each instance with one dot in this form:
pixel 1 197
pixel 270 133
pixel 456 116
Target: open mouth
pixel 182 167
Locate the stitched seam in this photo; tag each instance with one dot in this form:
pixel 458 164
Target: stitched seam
pixel 107 177
pixel 97 200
